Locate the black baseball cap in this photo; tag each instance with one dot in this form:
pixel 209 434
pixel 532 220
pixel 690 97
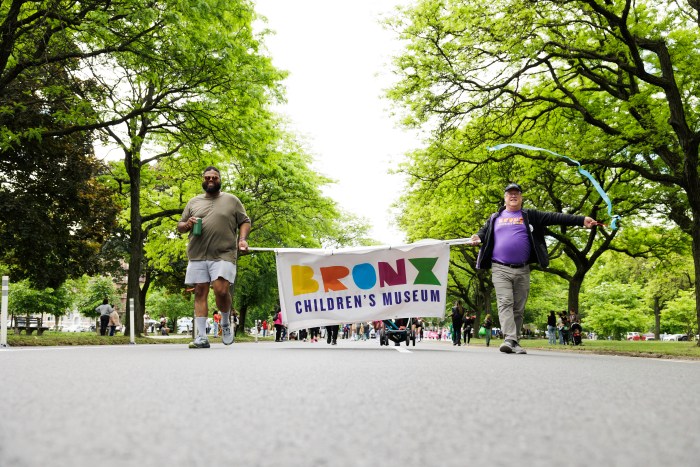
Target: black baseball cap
pixel 513 186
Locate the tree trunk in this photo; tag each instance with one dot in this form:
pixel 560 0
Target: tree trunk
pixel 484 295
pixel 243 312
pixel 692 178
pixel 141 310
pixel 657 318
pixel 574 292
pixel 135 247
pixel 696 262
pixel 483 298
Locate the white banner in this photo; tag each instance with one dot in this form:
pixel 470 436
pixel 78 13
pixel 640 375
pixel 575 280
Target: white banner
pixel 321 287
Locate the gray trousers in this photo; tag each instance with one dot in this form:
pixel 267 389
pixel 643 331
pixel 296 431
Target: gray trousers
pixel 512 288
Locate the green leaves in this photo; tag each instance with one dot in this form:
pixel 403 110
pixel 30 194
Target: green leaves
pixel 612 84
pixel 25 300
pixel 87 293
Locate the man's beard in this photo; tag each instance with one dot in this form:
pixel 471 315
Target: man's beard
pixel 215 188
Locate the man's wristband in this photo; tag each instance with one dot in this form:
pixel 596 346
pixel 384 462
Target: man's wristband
pixel 244 238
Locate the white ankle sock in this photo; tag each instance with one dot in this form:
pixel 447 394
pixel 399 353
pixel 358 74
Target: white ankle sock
pixel 225 318
pixel 201 324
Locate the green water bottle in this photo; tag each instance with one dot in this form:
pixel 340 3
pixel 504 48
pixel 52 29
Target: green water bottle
pixel 197 227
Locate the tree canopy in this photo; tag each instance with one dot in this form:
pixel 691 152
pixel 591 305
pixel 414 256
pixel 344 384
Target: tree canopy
pixel 57 215
pixel 612 83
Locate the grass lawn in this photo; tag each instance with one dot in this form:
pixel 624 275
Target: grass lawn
pixel 57 338
pixel 654 349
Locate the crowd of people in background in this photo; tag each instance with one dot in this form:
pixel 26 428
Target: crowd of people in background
pixel 464 329
pixel 463 326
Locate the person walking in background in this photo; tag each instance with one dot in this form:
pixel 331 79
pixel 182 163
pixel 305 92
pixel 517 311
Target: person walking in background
pixel 361 331
pixel 278 325
pixel 332 334
pixel 468 326
pixel 264 327
pixel 511 239
pixel 217 321
pixel 114 322
pixel 314 333
pixel 552 328
pixel 212 250
pixel 104 310
pixel 417 328
pixel 457 313
pixel 562 328
pixel 488 324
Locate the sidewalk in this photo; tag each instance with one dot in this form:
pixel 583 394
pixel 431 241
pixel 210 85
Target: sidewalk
pixel 170 336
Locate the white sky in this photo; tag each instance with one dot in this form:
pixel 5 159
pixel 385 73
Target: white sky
pixel 338 55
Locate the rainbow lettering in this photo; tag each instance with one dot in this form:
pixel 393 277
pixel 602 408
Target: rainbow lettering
pixel 364 275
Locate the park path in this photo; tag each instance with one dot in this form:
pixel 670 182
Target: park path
pixel 355 404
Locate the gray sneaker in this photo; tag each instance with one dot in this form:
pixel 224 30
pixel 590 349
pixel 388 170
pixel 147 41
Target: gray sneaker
pixel 518 350
pixel 507 347
pixel 199 343
pixel 227 335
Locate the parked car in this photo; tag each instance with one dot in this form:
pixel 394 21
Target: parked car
pixel 78 328
pixel 649 336
pixel 634 336
pixel 184 325
pixel 675 337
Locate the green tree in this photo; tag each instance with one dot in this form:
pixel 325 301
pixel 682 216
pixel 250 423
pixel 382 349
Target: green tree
pixel 620 77
pixel 199 81
pixel 25 300
pixel 547 293
pixel 89 292
pixel 670 277
pixel 613 309
pixel 42 38
pixel 679 314
pixel 283 197
pixel 160 302
pixel 655 258
pixel 60 213
pixel 452 194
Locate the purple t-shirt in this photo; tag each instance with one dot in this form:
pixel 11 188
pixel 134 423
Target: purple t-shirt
pixel 511 245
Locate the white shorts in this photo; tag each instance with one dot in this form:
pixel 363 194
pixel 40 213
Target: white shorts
pixel 202 272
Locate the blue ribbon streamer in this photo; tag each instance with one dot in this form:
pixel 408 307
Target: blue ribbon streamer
pixel 582 171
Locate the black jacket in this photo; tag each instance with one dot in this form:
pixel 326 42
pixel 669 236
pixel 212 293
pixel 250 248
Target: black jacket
pixel 535 223
pixel 456 317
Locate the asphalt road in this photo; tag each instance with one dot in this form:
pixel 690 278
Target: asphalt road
pixel 354 404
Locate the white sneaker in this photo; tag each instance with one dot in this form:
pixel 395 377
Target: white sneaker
pixel 507 347
pixel 199 343
pixel 227 335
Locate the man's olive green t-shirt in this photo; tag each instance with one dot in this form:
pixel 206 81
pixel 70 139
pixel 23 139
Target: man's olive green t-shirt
pixel 221 216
